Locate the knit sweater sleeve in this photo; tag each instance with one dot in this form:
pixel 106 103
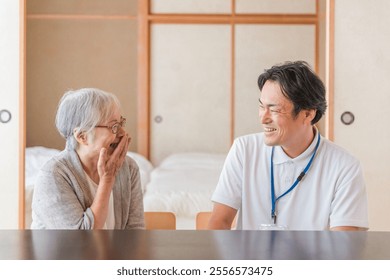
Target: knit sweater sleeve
pixel 135 218
pixel 58 200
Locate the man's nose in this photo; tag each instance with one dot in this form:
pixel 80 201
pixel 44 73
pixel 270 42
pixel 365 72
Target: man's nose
pixel 264 116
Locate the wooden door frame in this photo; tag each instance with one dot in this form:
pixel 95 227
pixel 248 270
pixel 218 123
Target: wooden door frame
pixel 22 113
pixel 146 19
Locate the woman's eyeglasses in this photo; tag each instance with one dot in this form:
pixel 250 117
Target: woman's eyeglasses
pixel 116 126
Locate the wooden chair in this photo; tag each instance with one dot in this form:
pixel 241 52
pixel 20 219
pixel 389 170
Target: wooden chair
pixel 160 220
pixel 202 220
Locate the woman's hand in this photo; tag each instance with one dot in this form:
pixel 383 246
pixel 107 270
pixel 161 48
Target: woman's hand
pixel 108 165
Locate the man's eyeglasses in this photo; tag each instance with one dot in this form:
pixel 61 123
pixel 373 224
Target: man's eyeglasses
pixel 116 126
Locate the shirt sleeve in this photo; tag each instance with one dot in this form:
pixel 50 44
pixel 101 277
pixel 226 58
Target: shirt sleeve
pixel 349 205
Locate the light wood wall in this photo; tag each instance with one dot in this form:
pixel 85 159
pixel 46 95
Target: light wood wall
pixel 73 44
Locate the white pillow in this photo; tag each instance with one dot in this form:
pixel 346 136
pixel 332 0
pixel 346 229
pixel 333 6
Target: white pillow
pixel 36 157
pixel 145 168
pixel 193 160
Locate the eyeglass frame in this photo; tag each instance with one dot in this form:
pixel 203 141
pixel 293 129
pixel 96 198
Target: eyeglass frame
pixel 116 126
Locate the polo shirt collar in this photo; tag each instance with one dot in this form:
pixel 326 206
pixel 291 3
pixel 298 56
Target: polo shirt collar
pixel 281 157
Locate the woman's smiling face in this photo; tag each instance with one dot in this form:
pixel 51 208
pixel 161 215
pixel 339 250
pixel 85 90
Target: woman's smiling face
pixel 103 136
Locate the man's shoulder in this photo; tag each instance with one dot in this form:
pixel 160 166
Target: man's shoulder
pixel 338 152
pixel 253 138
pixel 250 144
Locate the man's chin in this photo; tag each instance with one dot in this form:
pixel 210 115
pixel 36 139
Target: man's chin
pixel 269 142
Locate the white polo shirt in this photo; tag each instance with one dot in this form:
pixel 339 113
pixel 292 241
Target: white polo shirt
pixel 332 193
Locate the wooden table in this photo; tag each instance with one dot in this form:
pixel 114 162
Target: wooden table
pixel 192 245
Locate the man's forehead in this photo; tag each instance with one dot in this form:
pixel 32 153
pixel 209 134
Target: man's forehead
pixel 275 100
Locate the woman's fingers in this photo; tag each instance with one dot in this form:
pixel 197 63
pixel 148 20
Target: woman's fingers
pixel 101 165
pixel 118 156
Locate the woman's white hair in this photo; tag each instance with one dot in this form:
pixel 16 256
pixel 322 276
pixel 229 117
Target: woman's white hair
pixel 81 110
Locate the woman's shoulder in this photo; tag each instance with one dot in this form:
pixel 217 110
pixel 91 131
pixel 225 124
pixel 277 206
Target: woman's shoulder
pixel 59 162
pixel 131 163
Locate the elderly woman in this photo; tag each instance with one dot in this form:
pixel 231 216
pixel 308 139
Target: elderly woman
pixel 91 184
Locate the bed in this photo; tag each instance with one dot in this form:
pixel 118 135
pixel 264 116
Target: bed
pixel 182 183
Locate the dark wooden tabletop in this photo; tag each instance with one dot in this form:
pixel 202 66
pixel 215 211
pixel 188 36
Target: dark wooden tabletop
pixel 192 245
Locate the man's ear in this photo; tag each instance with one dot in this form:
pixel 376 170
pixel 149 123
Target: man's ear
pixel 80 136
pixel 310 115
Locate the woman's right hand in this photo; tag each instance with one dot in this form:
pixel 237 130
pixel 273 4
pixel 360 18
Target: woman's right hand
pixel 108 165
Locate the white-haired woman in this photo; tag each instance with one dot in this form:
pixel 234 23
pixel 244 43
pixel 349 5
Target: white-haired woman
pixel 91 184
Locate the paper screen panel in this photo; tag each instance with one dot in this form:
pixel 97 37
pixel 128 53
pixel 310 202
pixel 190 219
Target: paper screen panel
pixel 259 47
pixel 276 6
pixel 191 6
pixel 190 89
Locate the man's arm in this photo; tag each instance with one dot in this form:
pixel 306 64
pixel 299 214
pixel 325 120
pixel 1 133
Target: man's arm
pixel 222 217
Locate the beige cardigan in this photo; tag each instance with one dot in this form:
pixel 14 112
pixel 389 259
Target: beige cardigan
pixel 62 198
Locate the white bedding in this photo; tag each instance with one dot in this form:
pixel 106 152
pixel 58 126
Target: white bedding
pixel 37 156
pixel 182 183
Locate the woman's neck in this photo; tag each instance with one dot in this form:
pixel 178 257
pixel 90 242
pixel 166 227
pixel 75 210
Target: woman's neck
pixel 89 164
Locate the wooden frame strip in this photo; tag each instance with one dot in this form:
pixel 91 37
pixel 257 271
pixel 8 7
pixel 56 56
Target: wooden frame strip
pixel 22 113
pixel 329 120
pixel 317 39
pixel 238 18
pixel 143 116
pixel 233 74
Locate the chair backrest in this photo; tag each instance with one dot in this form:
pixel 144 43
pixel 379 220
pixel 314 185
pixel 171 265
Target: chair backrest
pixel 202 220
pixel 160 220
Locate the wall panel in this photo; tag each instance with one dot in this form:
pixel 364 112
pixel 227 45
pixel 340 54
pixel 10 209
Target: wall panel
pixel 65 54
pixel 191 6
pixel 362 87
pixel 190 87
pixel 276 6
pixel 259 47
pixel 84 7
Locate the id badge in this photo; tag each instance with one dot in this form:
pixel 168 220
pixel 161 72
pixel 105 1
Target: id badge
pixel 272 227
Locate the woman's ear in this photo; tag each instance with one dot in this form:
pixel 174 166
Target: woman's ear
pixel 80 136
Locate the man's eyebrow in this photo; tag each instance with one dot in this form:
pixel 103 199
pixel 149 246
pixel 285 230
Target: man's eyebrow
pixel 269 105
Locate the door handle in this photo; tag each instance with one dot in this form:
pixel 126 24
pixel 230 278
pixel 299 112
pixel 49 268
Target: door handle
pixel 5 116
pixel 158 119
pixel 347 118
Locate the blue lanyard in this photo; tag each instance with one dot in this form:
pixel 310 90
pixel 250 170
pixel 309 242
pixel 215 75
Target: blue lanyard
pixel 274 199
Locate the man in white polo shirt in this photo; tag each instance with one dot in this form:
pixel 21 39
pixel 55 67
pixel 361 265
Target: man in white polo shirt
pixel 289 176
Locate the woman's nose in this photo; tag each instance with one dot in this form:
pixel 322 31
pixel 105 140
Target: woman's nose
pixel 121 132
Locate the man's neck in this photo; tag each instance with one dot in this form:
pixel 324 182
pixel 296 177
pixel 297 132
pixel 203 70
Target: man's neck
pixel 302 144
